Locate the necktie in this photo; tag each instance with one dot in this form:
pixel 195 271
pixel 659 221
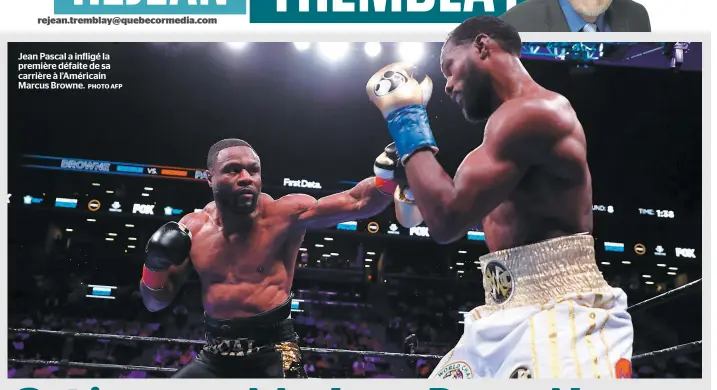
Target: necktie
pixel 590 27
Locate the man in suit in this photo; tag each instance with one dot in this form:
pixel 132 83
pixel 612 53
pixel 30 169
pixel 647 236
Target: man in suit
pixel 578 16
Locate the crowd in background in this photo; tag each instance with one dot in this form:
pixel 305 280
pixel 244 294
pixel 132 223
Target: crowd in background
pixel 338 316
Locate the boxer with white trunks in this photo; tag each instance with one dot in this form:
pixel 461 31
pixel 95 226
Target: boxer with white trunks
pixel 549 313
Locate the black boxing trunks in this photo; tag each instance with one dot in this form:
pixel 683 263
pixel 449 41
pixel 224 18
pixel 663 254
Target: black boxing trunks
pixel 261 346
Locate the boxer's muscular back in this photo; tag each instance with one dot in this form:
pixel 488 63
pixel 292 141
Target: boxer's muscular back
pixel 243 274
pixel 554 196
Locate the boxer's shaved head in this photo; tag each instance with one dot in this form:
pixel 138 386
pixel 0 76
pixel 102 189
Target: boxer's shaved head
pixel 221 145
pixel 499 31
pixel 477 51
pixel 234 174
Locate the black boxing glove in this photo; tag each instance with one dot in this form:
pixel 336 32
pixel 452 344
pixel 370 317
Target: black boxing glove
pixel 169 245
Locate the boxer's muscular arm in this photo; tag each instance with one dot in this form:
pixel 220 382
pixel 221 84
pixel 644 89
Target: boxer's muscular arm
pixel 488 175
pixel 362 201
pixel 155 300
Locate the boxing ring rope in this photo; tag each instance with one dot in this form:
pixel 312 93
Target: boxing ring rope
pixel 644 305
pixel 662 353
pixel 108 336
pixel 63 363
pixel 662 298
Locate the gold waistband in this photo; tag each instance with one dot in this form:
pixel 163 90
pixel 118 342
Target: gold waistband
pixel 541 272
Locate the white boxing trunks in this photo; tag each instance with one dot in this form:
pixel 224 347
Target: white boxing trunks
pixel 549 313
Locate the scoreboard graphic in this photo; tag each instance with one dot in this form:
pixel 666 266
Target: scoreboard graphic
pixel 112 167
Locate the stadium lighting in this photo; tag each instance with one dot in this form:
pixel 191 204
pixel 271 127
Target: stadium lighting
pixel 410 52
pixel 372 49
pixel 646 276
pixel 370 253
pixel 368 260
pixel 319 245
pixel 91 220
pixel 333 51
pixel 236 45
pixel 605 263
pixel 129 225
pixel 301 46
pixel 328 239
pixel 649 282
pixel 302 249
pixel 334 254
pixel 69 230
pixel 462 252
pixel 145 194
pixel 460 271
pixel 326 255
pixel 112 234
pixel 130 246
pixel 110 192
pixel 662 265
pixel 148 188
pixel 459 264
pixel 368 266
pixel 673 268
pixel 109 239
pixel 95 184
pixel 672 273
pixel 626 262
pixel 132 238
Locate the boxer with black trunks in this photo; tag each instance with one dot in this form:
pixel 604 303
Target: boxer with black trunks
pixel 243 246
pixel 549 312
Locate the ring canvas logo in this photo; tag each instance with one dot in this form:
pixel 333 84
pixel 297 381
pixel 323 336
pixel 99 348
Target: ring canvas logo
pixel 374 11
pixel 150 7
